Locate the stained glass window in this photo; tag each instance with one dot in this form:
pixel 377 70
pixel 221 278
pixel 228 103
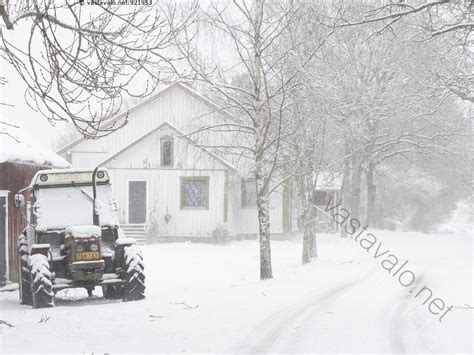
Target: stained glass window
pixel 195 192
pixel 167 152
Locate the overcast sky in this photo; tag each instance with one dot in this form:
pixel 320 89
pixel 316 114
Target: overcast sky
pixel 33 123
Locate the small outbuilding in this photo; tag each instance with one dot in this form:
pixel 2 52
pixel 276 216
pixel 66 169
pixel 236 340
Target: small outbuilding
pixel 327 196
pixel 20 159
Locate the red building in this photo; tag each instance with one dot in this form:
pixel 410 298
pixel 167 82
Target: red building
pixel 19 161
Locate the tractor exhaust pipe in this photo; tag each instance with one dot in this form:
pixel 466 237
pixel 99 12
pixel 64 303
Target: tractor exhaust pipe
pixel 95 216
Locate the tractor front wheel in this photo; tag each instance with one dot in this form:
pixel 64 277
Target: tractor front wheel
pixel 134 274
pixel 41 285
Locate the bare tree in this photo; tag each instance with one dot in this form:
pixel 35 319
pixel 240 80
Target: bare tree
pixel 307 150
pixel 78 61
pixel 387 103
pixel 256 87
pixel 381 98
pixel 430 18
pixel 422 21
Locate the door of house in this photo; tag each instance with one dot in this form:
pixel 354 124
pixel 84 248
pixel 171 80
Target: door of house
pixel 136 202
pixel 3 242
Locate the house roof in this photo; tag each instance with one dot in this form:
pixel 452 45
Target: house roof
pixel 122 115
pixel 179 134
pixel 16 146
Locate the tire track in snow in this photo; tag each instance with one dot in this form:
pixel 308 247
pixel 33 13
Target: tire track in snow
pixel 271 329
pixel 397 341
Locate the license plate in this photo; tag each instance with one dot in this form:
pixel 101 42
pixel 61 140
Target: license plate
pixel 90 255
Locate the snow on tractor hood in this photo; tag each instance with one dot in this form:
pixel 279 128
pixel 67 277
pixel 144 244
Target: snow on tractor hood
pixel 62 207
pixel 82 231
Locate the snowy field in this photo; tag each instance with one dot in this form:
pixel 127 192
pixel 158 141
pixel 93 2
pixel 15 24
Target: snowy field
pixel 207 298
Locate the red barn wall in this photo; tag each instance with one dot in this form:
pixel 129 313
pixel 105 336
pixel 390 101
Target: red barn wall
pixel 14 177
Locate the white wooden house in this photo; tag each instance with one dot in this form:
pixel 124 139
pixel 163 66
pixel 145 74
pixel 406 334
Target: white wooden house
pixel 166 182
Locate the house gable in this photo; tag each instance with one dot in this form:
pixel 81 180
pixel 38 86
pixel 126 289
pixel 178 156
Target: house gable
pixel 178 105
pixel 145 153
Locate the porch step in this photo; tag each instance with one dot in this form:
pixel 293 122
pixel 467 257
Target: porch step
pixel 135 231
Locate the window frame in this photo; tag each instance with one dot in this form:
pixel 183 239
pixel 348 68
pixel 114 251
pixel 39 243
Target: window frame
pixel 244 190
pixel 183 179
pixel 166 139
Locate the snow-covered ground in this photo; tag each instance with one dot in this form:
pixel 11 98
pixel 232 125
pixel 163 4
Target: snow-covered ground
pixel 207 298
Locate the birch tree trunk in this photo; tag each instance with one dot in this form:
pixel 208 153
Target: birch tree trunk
pixel 312 238
pixel 307 218
pixel 263 222
pixel 355 192
pixel 304 219
pixel 346 187
pixel 371 191
pixel 261 122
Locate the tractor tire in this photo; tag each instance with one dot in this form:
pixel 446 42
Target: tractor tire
pixel 41 285
pixel 112 292
pixel 24 271
pixel 134 274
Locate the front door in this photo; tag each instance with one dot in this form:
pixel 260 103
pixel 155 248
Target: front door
pixel 3 236
pixel 136 202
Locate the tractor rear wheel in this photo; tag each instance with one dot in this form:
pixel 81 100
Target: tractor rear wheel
pixel 41 285
pixel 134 274
pixel 24 271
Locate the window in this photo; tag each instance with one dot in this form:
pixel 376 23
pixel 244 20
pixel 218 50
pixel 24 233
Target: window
pixel 249 193
pixel 195 192
pixel 167 152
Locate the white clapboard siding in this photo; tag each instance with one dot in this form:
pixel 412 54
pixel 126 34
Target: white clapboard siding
pixel 163 198
pixel 146 153
pixel 248 216
pixel 175 106
pixel 141 161
pixel 87 159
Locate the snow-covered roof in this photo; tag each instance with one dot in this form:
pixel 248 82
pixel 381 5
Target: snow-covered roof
pixel 122 115
pixel 328 180
pixel 16 146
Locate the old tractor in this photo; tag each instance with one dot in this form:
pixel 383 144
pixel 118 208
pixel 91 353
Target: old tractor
pixel 73 239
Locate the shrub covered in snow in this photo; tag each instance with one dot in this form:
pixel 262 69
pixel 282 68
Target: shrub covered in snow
pixel 221 234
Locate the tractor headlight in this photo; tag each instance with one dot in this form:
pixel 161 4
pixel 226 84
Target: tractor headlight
pixel 79 248
pixel 94 247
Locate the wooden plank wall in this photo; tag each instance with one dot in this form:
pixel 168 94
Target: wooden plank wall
pixel 14 177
